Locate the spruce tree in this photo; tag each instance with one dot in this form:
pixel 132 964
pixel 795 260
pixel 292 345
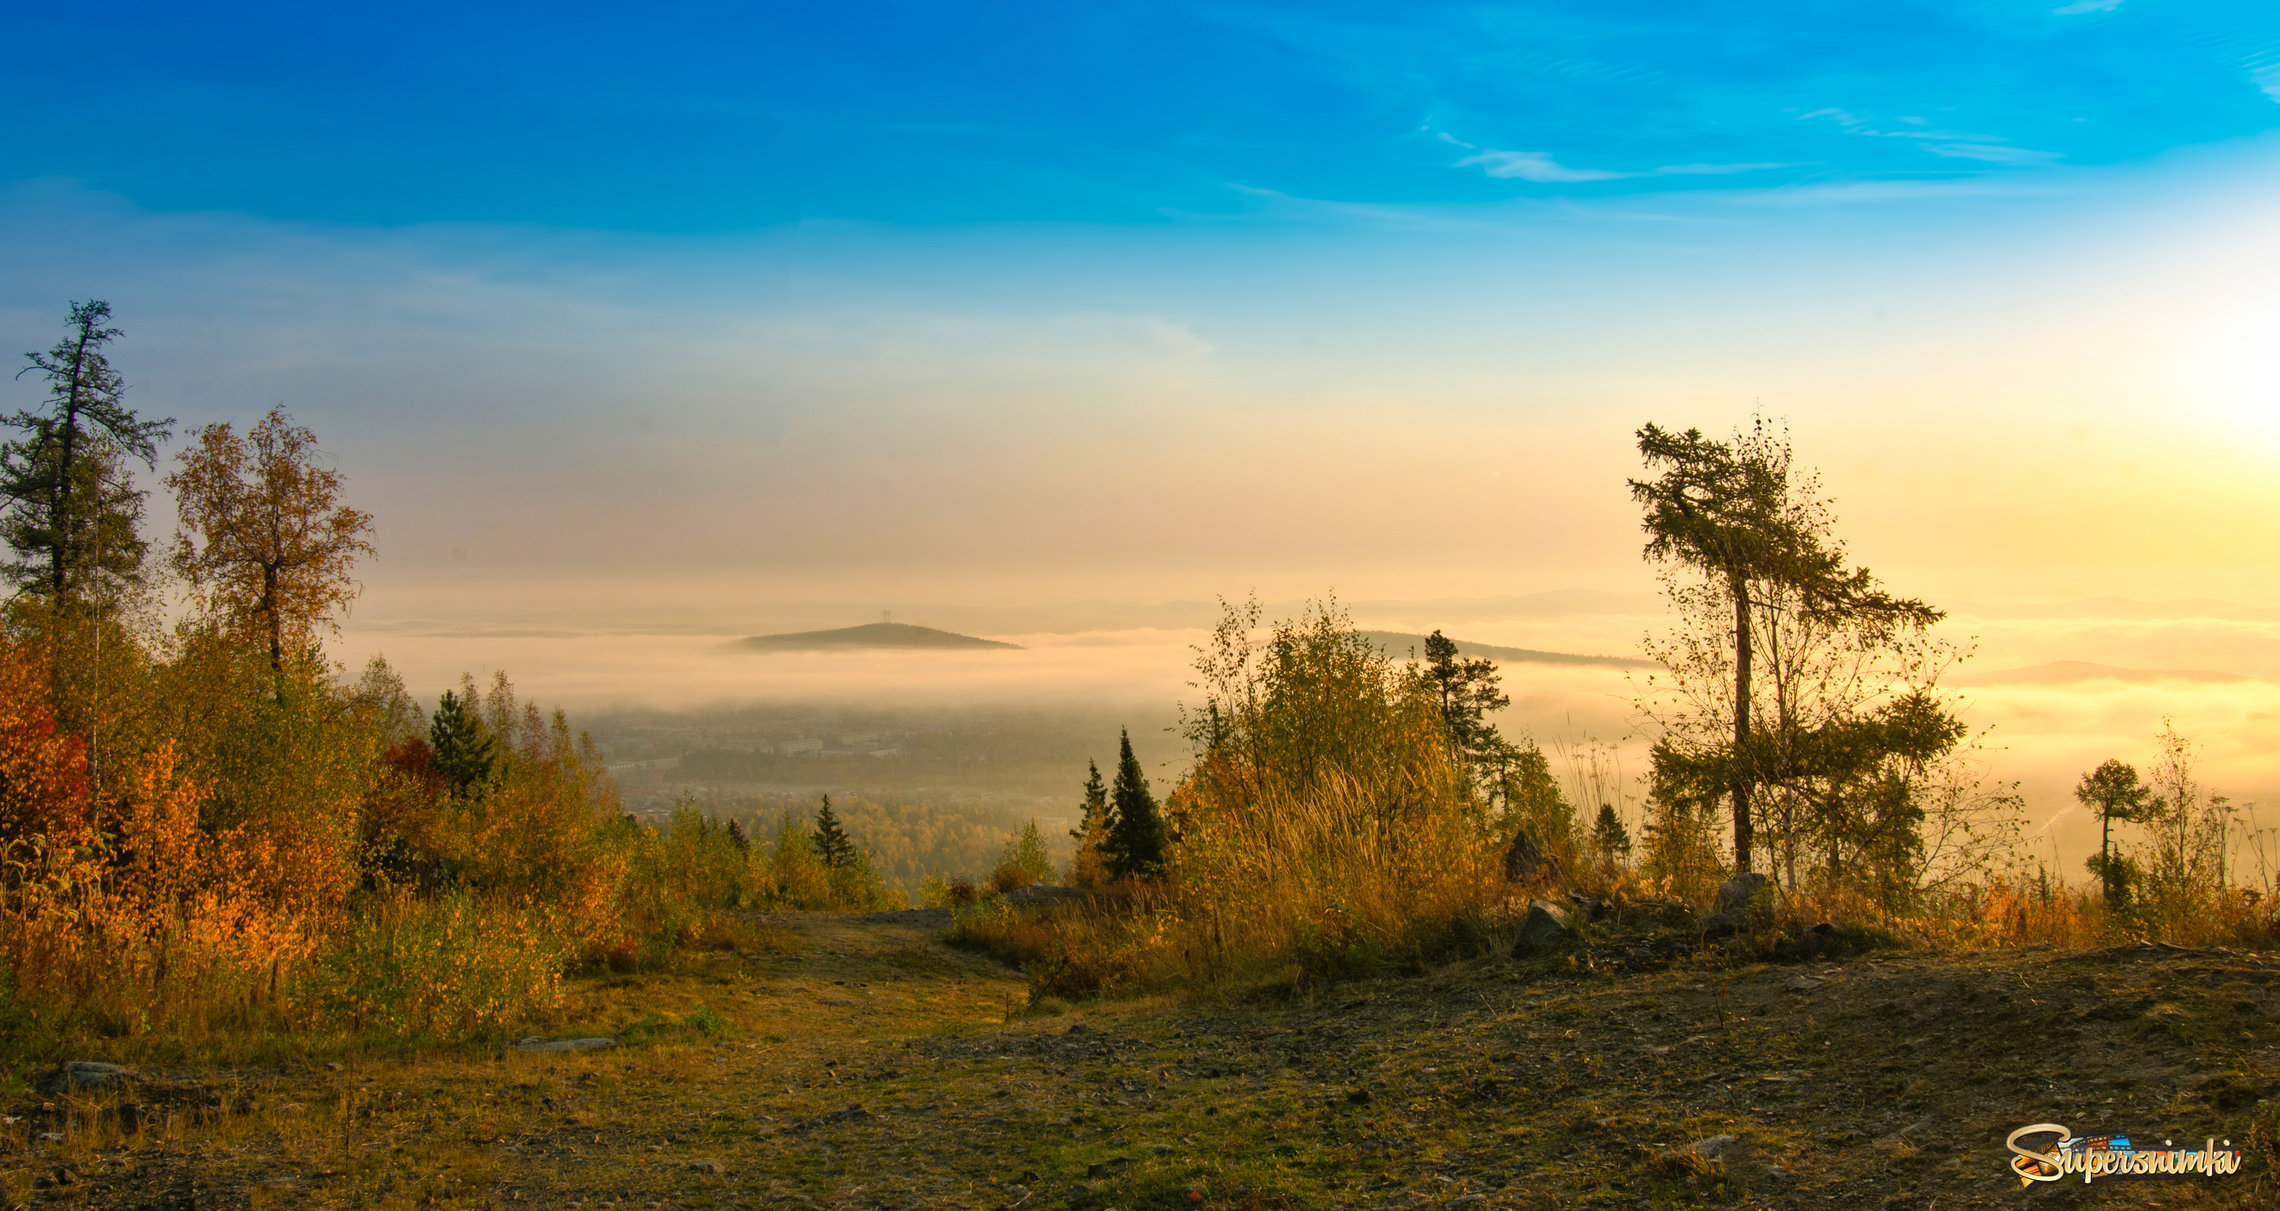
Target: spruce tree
pixel 1136 828
pixel 1609 835
pixel 463 751
pixel 1096 805
pixel 832 844
pixel 70 513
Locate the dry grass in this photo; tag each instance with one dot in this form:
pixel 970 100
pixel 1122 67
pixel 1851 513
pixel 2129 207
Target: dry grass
pixel 842 1062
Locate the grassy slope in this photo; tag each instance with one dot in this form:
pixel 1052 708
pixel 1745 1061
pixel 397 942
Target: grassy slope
pixel 861 1063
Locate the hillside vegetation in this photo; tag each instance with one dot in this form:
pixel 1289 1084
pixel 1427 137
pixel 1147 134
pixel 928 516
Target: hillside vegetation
pixel 1362 949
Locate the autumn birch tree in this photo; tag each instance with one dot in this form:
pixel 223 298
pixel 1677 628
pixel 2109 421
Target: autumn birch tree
pixel 264 542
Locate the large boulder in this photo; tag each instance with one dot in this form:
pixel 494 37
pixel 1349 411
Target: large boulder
pixel 1526 862
pixel 1739 899
pixel 1545 929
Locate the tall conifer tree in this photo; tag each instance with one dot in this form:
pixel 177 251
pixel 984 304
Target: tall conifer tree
pixel 70 513
pixel 1096 805
pixel 463 751
pixel 832 843
pixel 1136 827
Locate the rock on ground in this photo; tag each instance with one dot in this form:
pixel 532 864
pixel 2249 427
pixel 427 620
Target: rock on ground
pixel 1526 862
pixel 84 1074
pixel 1738 897
pixel 1545 929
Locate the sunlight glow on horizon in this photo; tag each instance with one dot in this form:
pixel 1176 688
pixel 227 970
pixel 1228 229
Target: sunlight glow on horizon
pixel 638 338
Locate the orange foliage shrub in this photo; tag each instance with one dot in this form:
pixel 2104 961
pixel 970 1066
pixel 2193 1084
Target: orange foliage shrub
pixel 43 774
pixel 153 921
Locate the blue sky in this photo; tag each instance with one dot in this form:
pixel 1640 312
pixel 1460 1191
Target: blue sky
pixel 730 117
pixel 963 302
pixel 640 326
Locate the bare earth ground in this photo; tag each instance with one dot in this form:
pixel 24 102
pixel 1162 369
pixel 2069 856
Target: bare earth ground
pixel 859 1062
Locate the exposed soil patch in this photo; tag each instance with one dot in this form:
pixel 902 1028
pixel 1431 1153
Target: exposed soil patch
pixel 858 1062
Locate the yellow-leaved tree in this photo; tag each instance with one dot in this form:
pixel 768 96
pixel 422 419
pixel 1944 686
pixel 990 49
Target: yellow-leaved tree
pixel 265 544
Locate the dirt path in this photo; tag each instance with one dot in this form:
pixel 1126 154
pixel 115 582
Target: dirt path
pixel 858 1062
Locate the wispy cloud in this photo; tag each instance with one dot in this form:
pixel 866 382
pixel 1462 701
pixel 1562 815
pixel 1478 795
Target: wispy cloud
pixel 2268 79
pixel 2080 7
pixel 1539 166
pixel 1991 153
pixel 1715 170
pixel 1955 145
pixel 1856 124
pixel 1534 166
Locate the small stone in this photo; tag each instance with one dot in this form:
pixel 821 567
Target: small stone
pixel 536 1043
pixel 1359 1097
pixel 1802 983
pixel 712 1167
pixel 1717 1147
pixel 333 1065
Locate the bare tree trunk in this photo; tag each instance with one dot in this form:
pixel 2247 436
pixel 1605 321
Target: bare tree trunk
pixel 1741 725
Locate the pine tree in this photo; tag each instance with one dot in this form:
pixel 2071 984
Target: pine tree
pixel 1609 835
pixel 1759 542
pixel 2114 792
pixel 832 844
pixel 70 513
pixel 463 751
pixel 1466 691
pixel 1088 867
pixel 1136 827
pixel 1096 805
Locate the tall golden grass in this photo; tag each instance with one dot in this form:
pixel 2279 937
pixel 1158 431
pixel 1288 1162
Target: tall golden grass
pixel 1327 827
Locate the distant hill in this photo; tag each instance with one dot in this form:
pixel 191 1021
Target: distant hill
pixel 2074 672
pixel 1400 647
pixel 869 635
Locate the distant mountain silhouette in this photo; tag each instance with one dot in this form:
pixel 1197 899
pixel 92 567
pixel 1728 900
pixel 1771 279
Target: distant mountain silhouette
pixel 2072 672
pixel 1402 647
pixel 869 635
